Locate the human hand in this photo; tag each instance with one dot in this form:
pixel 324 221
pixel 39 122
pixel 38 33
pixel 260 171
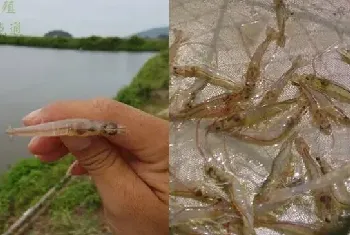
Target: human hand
pixel 130 171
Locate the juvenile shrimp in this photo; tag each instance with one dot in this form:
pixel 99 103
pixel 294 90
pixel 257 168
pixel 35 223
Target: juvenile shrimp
pixel 331 88
pixel 288 125
pixel 179 39
pixel 218 106
pixel 323 181
pixel 282 15
pixel 339 190
pixel 197 193
pixel 208 74
pixel 320 116
pixel 275 91
pixel 236 193
pixel 69 127
pixel 282 171
pixel 253 71
pixel 323 199
pixel 345 55
pixel 251 117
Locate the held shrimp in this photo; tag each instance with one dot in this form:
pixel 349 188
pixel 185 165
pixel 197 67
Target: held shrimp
pixel 69 127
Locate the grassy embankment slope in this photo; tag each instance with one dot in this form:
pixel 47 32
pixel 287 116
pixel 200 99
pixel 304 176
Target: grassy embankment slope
pixel 77 207
pixel 92 43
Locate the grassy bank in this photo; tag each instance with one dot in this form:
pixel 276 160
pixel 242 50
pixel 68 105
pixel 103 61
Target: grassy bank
pixel 92 43
pixel 77 209
pixel 150 85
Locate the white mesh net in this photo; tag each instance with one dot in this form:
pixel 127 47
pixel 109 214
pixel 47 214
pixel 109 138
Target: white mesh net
pixel 224 35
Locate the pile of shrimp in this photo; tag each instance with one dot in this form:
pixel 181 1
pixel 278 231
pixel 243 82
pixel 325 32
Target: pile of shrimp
pixel 238 113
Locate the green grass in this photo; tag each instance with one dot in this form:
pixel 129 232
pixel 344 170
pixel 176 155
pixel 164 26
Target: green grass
pixel 28 180
pixel 92 43
pixel 154 75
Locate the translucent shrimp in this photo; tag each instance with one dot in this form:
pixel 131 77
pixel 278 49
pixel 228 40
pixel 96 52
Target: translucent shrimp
pixel 275 91
pixel 251 117
pixel 320 116
pixel 236 193
pixel 179 39
pixel 323 85
pixel 253 71
pixel 208 74
pixel 280 195
pixel 282 14
pixel 345 55
pixel 69 127
pixel 287 125
pixel 323 199
pixel 282 171
pixel 218 106
pixel 339 190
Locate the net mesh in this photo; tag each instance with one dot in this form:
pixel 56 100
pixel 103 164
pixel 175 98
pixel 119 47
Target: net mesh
pixel 224 34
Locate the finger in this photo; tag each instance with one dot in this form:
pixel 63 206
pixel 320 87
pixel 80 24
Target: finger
pixel 47 149
pixel 140 126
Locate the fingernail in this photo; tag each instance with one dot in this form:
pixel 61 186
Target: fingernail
pixel 76 143
pixel 31 115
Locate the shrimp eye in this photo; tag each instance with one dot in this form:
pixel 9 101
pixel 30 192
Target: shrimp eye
pixel 110 129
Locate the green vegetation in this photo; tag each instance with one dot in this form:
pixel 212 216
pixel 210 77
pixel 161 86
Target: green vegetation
pixel 153 76
pixel 27 181
pixel 93 43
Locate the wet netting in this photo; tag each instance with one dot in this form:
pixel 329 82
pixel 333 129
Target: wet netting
pixel 260 116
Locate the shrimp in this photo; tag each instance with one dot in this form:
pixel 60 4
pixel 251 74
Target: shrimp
pixel 282 14
pixel 181 190
pixel 275 91
pixel 239 201
pixel 320 116
pixel 288 124
pixel 345 55
pixel 253 71
pixel 339 190
pixel 323 181
pixel 208 74
pixel 281 171
pixel 323 199
pixel 179 39
pixel 217 106
pixel 323 85
pixel 251 117
pixel 69 127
